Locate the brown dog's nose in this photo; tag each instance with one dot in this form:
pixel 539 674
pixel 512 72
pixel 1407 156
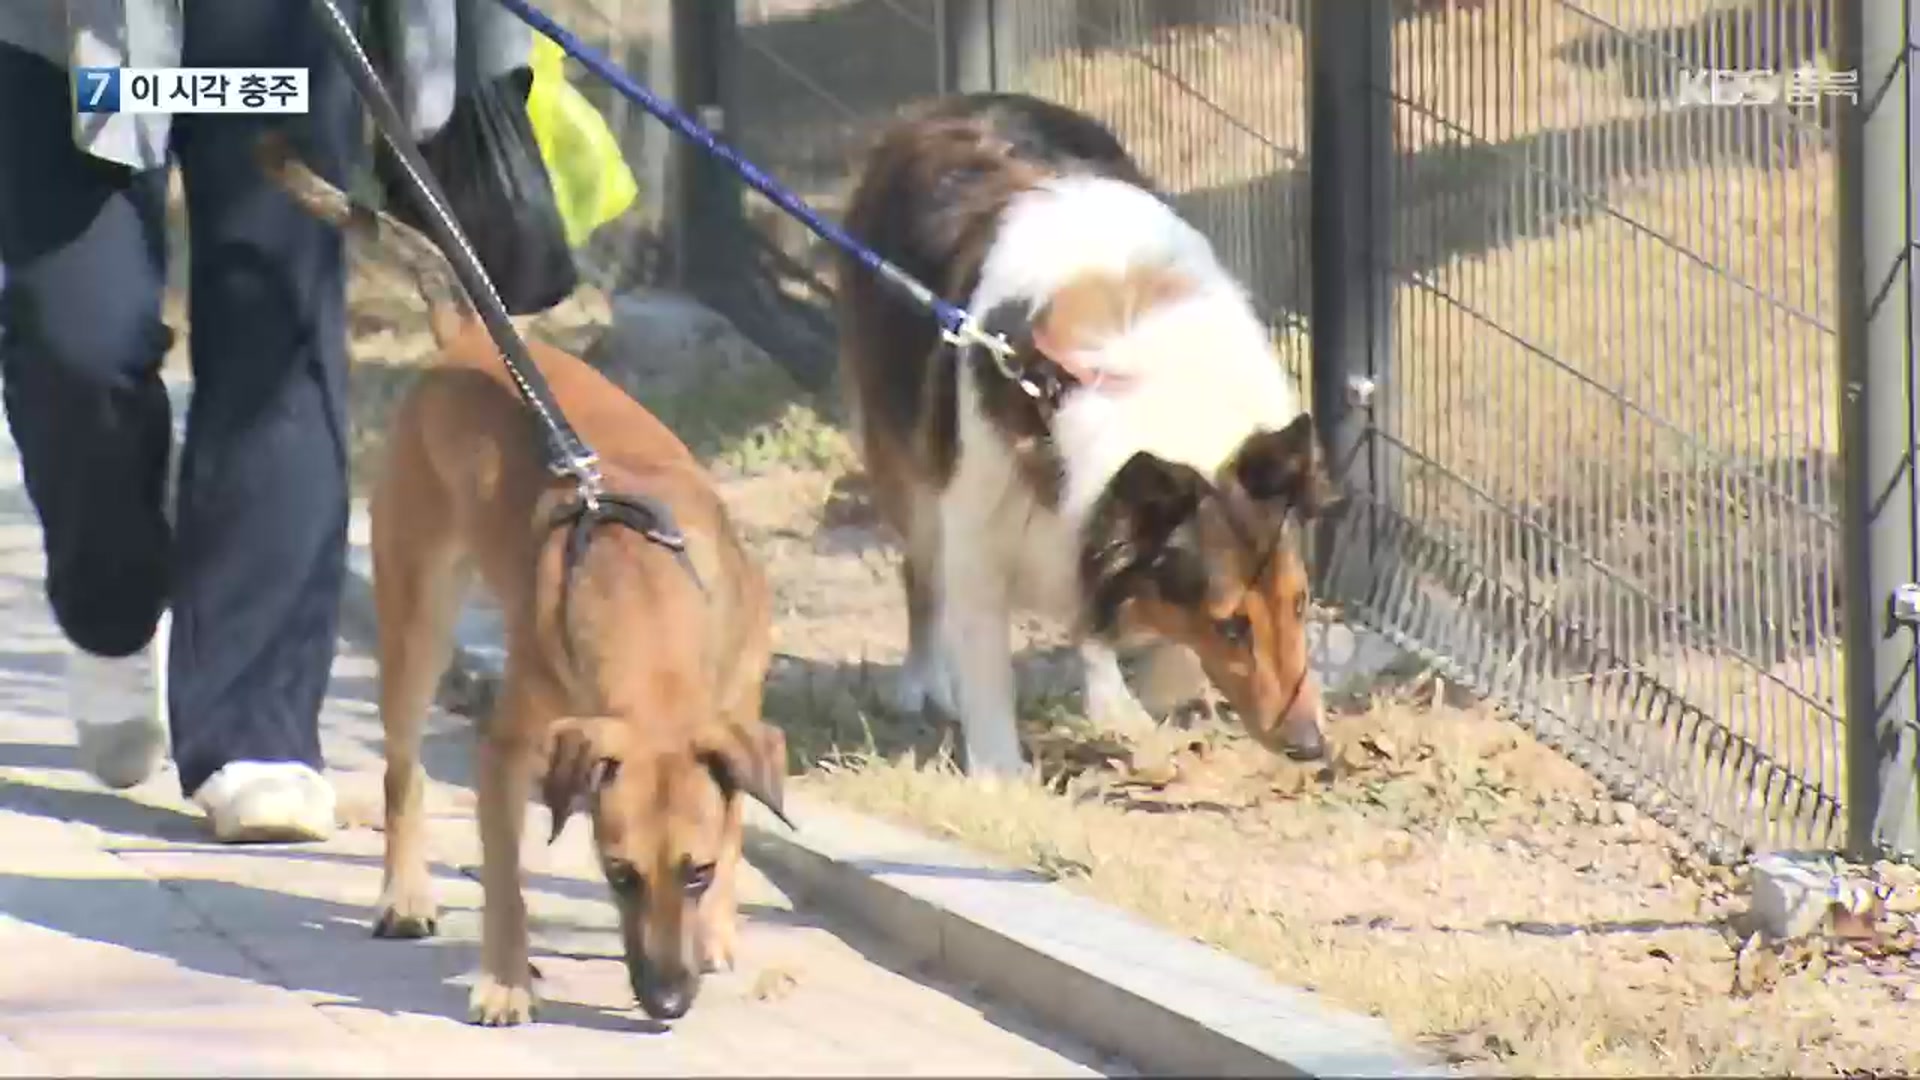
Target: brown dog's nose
pixel 1301 734
pixel 1305 745
pixel 667 999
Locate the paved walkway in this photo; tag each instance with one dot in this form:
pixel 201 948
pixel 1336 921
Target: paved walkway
pixel 128 944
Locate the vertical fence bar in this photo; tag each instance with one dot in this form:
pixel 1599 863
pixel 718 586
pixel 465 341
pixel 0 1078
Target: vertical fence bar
pixel 707 224
pixel 648 141
pixel 965 29
pixel 1351 146
pixel 1878 424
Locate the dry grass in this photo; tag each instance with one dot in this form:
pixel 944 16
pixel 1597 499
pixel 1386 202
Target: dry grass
pixel 1448 874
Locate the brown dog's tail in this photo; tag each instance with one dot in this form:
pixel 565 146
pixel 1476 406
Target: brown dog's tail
pixel 448 307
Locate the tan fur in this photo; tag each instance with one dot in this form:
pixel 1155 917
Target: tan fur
pixel 658 702
pixel 1097 307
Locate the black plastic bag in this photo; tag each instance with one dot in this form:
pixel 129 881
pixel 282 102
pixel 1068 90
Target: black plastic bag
pixel 489 165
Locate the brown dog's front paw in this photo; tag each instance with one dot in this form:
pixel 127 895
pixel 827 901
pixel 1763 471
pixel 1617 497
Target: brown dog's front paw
pixel 496 1004
pixel 721 940
pixel 406 919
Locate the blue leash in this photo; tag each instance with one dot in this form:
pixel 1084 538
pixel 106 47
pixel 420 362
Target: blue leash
pixel 956 325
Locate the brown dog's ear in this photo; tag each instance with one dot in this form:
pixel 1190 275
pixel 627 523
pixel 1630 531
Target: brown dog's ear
pixel 1285 469
pixel 583 756
pixel 750 759
pixel 1137 527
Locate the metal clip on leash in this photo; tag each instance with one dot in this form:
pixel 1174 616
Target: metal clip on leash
pixel 970 333
pixel 957 327
pixel 567 454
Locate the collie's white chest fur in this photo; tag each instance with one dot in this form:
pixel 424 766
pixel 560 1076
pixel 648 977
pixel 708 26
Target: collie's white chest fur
pixel 1032 549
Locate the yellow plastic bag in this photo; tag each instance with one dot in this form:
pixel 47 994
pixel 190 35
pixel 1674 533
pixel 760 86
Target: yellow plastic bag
pixel 591 181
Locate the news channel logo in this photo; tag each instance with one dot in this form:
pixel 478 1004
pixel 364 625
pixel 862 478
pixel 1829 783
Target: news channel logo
pixel 1799 87
pixel 170 91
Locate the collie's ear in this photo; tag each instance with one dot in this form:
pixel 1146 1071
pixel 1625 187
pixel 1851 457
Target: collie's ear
pixel 583 756
pixel 1285 469
pixel 1136 528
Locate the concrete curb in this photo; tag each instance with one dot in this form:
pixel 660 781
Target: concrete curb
pixel 1168 1005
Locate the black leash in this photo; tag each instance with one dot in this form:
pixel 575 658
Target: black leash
pixel 566 453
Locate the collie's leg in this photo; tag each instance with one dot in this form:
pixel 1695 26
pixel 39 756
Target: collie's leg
pixel 1110 704
pixel 925 678
pixel 977 639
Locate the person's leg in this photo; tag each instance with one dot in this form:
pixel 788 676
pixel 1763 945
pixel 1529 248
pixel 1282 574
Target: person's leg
pixel 81 343
pixel 262 514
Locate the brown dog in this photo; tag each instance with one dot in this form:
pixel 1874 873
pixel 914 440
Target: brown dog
pixel 634 672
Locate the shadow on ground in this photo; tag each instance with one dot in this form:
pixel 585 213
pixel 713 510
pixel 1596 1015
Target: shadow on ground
pixel 102 809
pixel 321 946
pixel 300 943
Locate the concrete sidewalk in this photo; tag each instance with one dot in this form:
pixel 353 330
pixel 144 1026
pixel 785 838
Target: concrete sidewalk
pixel 130 944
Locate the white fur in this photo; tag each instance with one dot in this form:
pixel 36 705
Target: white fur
pixel 1203 373
pixel 1202 376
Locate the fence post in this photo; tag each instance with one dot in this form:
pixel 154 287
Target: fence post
pixel 1879 421
pixel 1350 141
pixel 707 221
pixel 965 32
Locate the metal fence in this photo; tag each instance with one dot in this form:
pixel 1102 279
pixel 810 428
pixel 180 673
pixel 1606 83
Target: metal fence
pixel 1589 351
pixel 1609 423
pixel 1604 454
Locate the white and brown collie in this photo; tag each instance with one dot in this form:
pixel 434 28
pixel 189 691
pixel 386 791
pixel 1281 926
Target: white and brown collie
pixel 1154 490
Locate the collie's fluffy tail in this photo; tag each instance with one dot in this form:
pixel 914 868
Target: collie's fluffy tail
pixel 448 306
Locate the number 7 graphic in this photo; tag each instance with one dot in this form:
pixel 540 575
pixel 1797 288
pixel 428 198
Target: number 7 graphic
pixel 99 89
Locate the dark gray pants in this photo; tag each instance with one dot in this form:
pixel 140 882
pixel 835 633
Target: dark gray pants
pixel 252 568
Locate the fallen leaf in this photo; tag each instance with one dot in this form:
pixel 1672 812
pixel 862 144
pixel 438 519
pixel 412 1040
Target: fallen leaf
pixel 1755 968
pixel 1817 966
pixel 1054 865
pixel 1853 925
pixel 1154 774
pixel 1379 746
pixel 773 983
pixel 1288 780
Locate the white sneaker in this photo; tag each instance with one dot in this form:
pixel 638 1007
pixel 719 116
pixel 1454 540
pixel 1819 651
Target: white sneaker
pixel 119 706
pixel 267 802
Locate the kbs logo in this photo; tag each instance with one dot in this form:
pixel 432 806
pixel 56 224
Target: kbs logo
pixel 1800 87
